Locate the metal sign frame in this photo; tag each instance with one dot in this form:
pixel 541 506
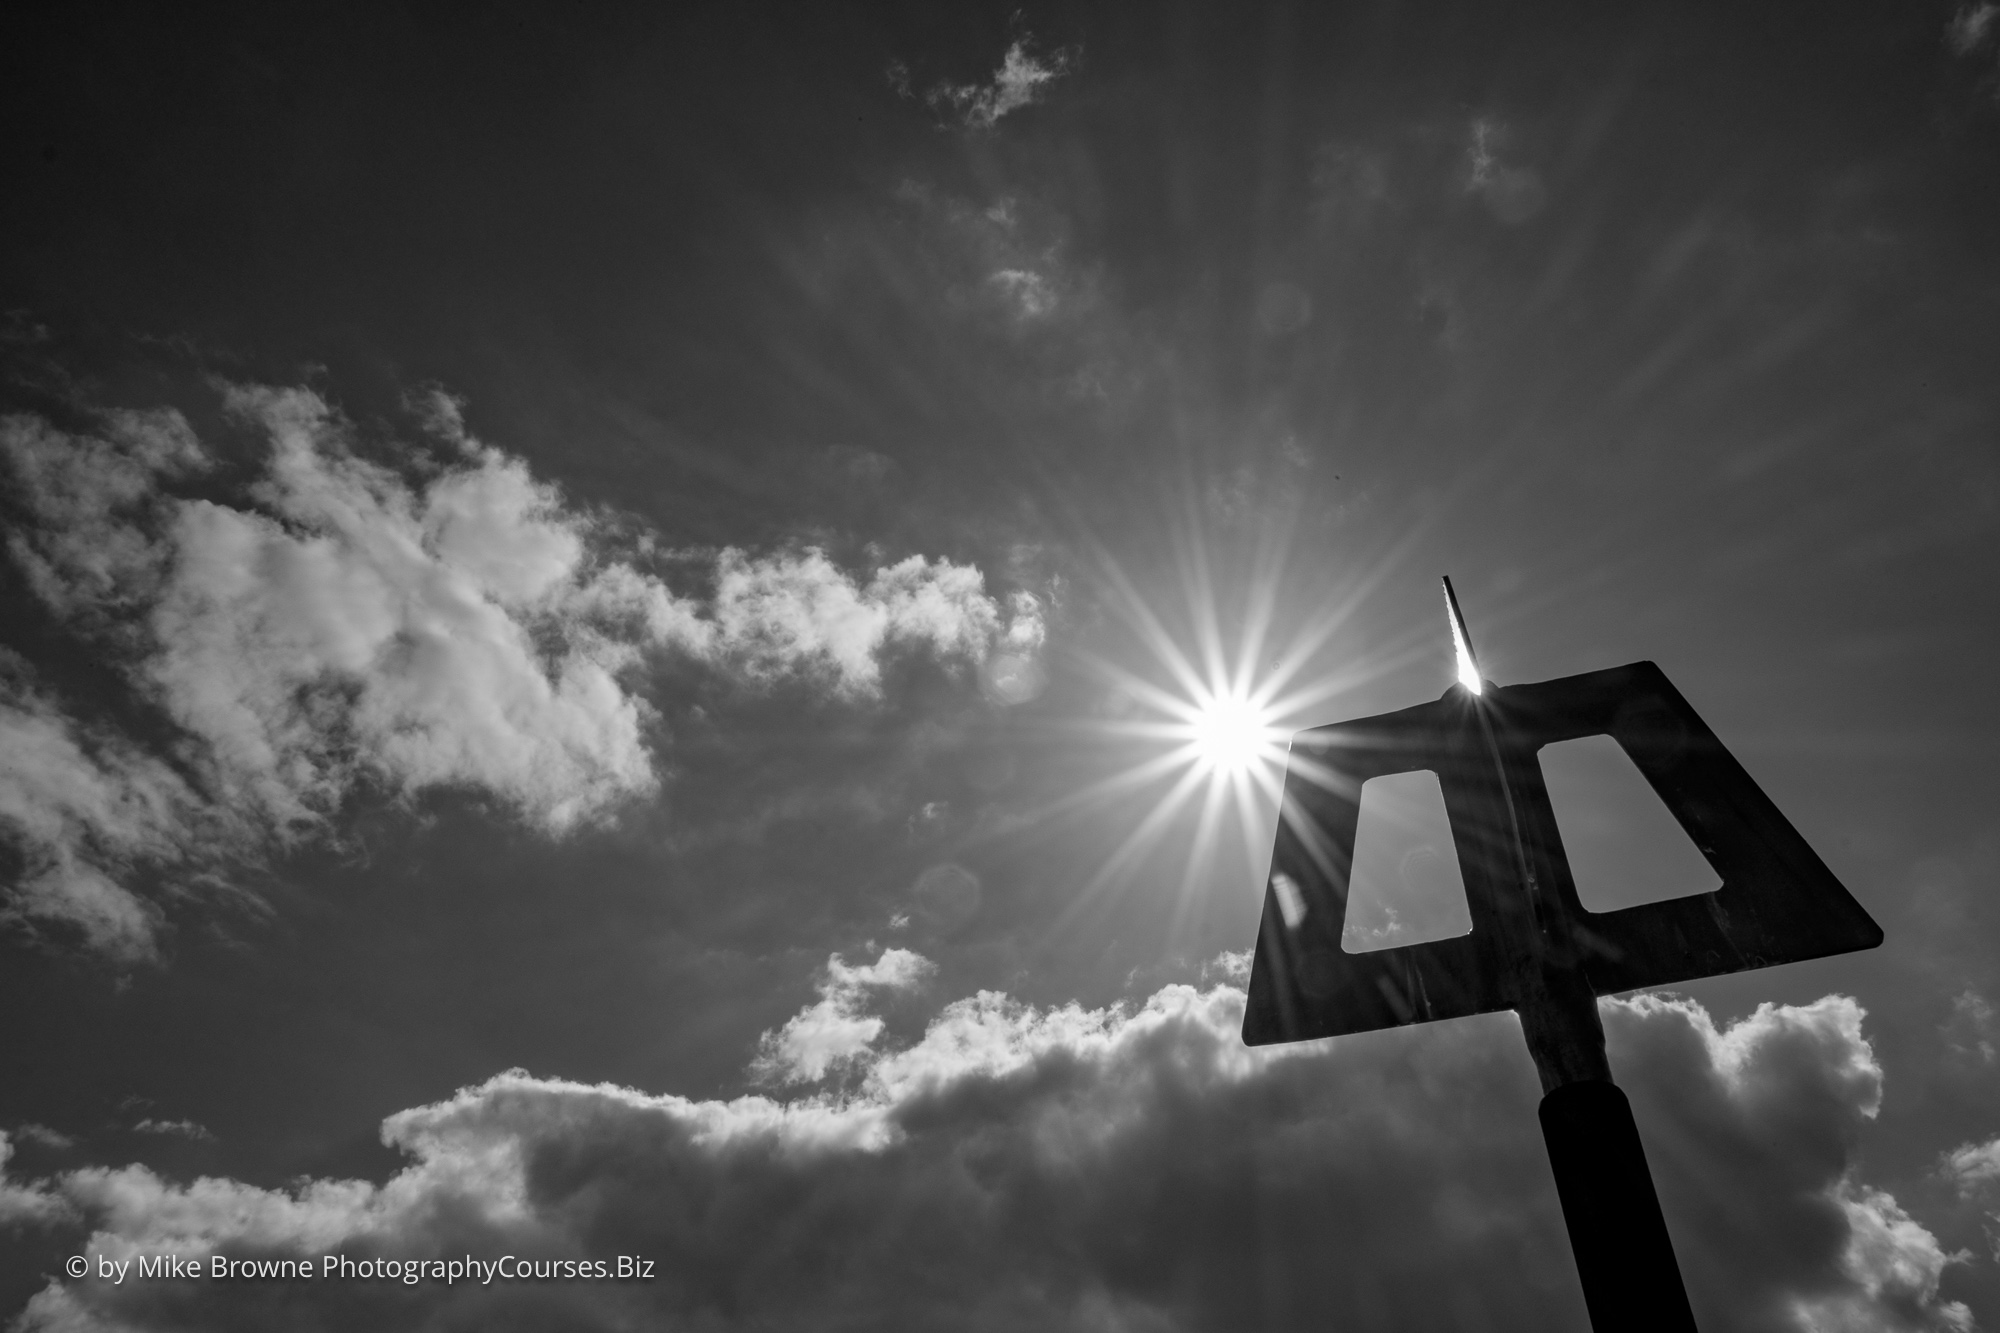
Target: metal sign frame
pixel 1778 902
pixel 1533 947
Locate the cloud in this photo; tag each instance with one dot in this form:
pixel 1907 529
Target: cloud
pixel 1028 291
pixel 1759 1159
pixel 82 809
pixel 1017 83
pixel 836 1031
pixel 31 1203
pixel 1971 26
pixel 1893 1263
pixel 348 624
pixel 1013 672
pixel 95 499
pixel 342 624
pixel 187 1129
pixel 1973 1166
pixel 30 1132
pixel 1970 34
pixel 1005 261
pixel 785 614
pixel 1511 194
pixel 1072 1168
pixel 441 413
pixel 1971 1030
pixel 1974 1170
pixel 354 626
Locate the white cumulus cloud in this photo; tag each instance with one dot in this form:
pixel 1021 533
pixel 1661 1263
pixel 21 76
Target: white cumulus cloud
pixel 1973 1166
pixel 787 613
pixel 836 1030
pixel 1893 1263
pixel 26 1203
pixel 1974 1169
pixel 353 625
pixel 343 623
pixel 1073 1169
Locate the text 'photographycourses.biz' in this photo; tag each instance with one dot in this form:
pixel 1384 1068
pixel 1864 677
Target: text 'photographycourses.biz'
pixel 340 1268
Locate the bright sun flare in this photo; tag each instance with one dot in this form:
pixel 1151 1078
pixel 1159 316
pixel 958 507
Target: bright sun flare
pixel 1214 710
pixel 1229 733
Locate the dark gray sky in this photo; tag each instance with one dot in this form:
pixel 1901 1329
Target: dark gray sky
pixel 648 548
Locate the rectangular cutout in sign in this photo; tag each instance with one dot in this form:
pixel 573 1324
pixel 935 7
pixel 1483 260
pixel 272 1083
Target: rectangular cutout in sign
pixel 1405 887
pixel 1624 846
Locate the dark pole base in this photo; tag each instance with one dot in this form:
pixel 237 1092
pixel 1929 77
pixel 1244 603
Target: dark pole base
pixel 1630 1280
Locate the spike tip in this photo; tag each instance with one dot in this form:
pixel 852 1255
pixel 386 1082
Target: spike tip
pixel 1461 642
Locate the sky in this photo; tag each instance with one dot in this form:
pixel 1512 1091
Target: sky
pixel 609 616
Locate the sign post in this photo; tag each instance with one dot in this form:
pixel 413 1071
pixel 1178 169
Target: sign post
pixel 1533 948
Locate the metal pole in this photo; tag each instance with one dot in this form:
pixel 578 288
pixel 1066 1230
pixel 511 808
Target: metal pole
pixel 1617 1234
pixel 1624 1256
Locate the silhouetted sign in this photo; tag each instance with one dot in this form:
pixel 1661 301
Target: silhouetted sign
pixel 1778 902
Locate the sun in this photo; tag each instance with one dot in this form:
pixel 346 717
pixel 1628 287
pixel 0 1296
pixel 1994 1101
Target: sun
pixel 1204 711
pixel 1201 694
pixel 1218 742
pixel 1229 733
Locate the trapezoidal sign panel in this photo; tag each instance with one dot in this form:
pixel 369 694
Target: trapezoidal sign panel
pixel 1778 902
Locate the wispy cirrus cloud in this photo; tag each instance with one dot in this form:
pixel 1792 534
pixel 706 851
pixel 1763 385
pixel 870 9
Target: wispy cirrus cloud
pixel 1971 26
pixel 1074 1168
pixel 1005 257
pixel 1973 33
pixel 1972 1029
pixel 43 1136
pixel 1513 194
pixel 83 807
pixel 186 1129
pixel 95 545
pixel 1018 82
pixel 341 623
pixel 1028 290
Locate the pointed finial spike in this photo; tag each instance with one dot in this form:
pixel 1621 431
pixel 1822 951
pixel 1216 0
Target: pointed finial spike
pixel 1461 642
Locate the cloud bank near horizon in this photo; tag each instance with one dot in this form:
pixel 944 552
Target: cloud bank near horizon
pixel 338 623
pixel 1066 1169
